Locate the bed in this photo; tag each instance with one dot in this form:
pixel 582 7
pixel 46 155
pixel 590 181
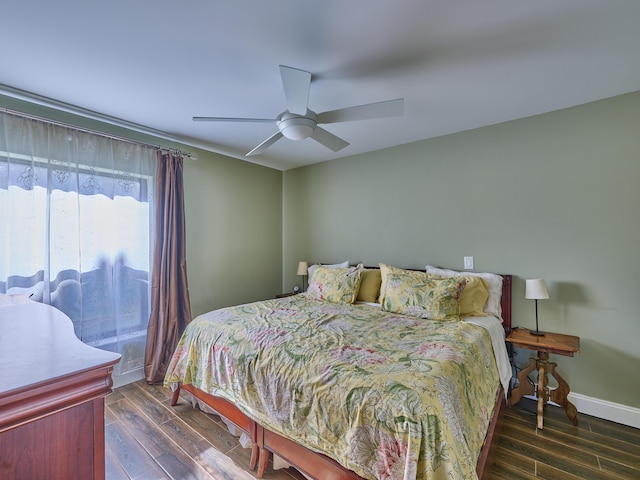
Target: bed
pixel 342 388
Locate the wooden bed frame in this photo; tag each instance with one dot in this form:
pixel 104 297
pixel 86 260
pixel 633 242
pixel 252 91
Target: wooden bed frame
pixel 319 466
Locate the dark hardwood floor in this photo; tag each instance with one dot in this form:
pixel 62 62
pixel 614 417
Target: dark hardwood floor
pixel 146 438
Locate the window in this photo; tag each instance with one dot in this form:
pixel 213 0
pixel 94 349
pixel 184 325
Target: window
pixel 75 230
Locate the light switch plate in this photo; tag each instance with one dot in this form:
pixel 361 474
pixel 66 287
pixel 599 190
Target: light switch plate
pixel 468 263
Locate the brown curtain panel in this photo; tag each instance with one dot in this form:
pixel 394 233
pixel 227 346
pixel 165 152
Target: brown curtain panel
pixel 170 306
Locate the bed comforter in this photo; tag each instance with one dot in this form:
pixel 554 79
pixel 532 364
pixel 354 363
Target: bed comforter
pixel 388 396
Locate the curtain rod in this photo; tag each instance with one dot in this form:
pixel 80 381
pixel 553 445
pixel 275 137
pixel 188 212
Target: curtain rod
pixel 175 151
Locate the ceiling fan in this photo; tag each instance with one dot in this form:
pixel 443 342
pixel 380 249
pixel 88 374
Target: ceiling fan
pixel 298 122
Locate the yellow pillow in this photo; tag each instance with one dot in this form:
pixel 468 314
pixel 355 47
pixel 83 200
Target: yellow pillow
pixel 493 282
pixel 385 270
pixel 423 295
pixel 474 297
pixel 335 285
pixel 370 285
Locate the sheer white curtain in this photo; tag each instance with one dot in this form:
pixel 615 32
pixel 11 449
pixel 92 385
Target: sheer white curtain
pixel 76 214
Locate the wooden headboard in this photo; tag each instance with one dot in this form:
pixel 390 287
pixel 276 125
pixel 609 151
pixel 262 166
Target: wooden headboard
pixel 505 302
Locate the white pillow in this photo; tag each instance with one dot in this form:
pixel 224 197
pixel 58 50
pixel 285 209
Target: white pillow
pixel 312 268
pixel 493 306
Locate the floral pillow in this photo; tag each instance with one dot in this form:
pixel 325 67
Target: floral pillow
pixel 474 296
pixel 313 267
pixel 492 306
pixel 385 270
pixel 335 285
pixel 422 295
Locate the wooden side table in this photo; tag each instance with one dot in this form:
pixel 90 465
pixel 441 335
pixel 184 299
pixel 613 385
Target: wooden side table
pixel 556 343
pixel 286 294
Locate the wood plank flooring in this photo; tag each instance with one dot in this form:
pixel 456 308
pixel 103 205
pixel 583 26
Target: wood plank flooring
pixel 146 438
pixel 595 449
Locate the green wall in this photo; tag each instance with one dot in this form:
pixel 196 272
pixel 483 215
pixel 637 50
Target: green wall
pixel 233 218
pixel 553 196
pixel 234 227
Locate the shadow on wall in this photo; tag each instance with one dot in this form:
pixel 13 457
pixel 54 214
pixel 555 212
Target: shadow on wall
pixel 569 292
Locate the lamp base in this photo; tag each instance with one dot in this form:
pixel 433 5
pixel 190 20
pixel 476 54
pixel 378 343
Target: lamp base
pixel 537 333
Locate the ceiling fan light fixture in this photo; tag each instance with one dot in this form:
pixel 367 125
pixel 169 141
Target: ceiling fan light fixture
pixel 297 128
pixel 298 122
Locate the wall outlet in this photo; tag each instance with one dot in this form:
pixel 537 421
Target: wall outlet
pixel 468 263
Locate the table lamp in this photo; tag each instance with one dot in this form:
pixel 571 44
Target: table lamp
pixel 303 270
pixel 536 290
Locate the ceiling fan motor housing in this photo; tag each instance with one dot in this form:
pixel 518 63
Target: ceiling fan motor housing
pixel 297 127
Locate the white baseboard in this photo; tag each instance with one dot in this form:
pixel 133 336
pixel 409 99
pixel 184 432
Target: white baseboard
pixel 129 377
pixel 614 412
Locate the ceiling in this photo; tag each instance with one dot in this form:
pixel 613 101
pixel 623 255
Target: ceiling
pixel 459 64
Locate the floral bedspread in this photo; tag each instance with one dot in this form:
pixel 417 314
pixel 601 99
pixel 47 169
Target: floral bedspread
pixel 389 396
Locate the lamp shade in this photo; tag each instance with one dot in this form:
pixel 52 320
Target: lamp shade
pixel 536 289
pixel 303 268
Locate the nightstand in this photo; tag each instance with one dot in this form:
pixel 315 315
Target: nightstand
pixel 557 343
pixel 287 294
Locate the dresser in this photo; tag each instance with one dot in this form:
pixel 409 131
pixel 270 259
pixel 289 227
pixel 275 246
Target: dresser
pixel 52 389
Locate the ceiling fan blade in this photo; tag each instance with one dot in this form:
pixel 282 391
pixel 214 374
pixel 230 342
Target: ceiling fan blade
pixel 233 119
pixel 328 139
pixel 389 108
pixel 266 144
pixel 296 85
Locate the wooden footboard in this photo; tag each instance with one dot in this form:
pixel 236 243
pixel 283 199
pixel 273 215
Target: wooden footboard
pixel 232 413
pixel 487 454
pixel 313 464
